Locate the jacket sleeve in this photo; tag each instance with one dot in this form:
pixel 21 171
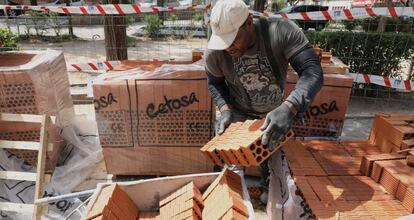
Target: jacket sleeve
pixel 306 63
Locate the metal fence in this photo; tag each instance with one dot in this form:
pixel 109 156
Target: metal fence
pixel 380 46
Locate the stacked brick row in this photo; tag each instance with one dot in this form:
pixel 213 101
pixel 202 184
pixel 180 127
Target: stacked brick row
pixel 241 145
pixel 393 131
pixel 328 176
pixel 324 56
pixel 156 116
pixel 185 203
pixel 395 176
pixel 113 204
pixel 223 199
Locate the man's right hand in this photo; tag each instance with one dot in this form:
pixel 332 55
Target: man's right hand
pixel 225 120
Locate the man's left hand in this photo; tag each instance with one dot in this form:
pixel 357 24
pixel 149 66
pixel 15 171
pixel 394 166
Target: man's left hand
pixel 277 124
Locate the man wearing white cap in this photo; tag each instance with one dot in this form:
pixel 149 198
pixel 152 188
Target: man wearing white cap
pixel 246 66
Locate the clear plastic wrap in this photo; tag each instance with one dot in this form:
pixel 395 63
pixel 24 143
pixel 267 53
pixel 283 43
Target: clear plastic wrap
pixel 34 82
pixel 154 117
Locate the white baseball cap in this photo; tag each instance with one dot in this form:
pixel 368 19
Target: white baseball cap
pixel 226 18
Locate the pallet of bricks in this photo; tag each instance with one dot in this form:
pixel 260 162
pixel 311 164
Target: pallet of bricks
pixel 326 115
pixel 153 117
pixel 202 196
pixel 359 179
pixel 34 82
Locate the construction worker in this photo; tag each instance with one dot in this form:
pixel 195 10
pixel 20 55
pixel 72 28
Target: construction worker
pixel 246 66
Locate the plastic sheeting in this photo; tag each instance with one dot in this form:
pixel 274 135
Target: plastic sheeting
pixel 284 201
pixel 34 82
pixel 79 158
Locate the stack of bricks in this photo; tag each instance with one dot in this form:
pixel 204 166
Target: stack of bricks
pixel 113 204
pixel 241 145
pixel 393 173
pixel 156 116
pixel 324 56
pixel 328 178
pixel 33 82
pixel 223 199
pixel 185 203
pixel 393 132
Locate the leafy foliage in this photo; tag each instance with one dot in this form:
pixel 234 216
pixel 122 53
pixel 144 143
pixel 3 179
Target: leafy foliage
pixel 367 52
pixel 153 25
pixel 8 40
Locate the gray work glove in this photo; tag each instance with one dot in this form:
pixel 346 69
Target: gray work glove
pixel 278 122
pixel 225 120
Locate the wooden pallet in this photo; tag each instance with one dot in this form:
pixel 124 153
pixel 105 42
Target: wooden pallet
pixel 39 177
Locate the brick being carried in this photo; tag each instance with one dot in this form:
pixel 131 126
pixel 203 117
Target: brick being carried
pixel 113 201
pixel 185 202
pixel 241 145
pixel 224 198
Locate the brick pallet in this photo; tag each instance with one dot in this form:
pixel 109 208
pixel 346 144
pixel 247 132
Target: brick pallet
pixel 327 175
pixel 346 179
pixel 33 82
pixel 241 145
pixel 153 119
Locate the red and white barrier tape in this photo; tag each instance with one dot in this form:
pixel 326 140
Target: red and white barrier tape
pixel 349 14
pixel 93 66
pixel 107 9
pixel 358 77
pixel 383 81
pixel 114 9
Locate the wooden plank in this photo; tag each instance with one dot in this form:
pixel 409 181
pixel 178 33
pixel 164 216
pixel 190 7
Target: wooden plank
pixel 22 145
pixel 41 161
pixel 14 175
pixel 16 207
pixel 21 118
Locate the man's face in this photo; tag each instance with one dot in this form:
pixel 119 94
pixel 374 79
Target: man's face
pixel 244 39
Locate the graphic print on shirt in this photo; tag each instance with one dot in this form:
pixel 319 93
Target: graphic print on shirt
pixel 257 78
